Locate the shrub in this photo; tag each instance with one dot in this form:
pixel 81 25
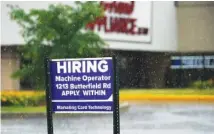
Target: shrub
pixel 22 98
pixel 203 84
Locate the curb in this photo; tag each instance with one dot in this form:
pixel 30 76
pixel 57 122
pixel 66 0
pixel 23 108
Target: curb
pixel 123 106
pixel 164 97
pixel 21 115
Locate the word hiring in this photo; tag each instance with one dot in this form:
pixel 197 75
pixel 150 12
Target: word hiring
pixel 82 66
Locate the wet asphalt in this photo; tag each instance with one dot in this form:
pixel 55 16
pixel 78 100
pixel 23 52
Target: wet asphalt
pixel 136 119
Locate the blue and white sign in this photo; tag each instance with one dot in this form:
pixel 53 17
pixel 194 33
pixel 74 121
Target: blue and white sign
pixel 82 85
pixel 192 62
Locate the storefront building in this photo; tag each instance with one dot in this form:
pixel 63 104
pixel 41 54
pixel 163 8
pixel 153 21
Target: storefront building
pixel 195 54
pixel 143 35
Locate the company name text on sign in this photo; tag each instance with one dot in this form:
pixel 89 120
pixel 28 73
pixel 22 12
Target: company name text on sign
pixel 82 85
pixel 188 62
pixel 124 21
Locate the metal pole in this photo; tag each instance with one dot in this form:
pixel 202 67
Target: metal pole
pixel 116 111
pixel 48 98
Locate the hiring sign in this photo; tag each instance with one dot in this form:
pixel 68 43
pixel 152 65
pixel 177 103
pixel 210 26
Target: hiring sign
pixel 82 85
pixel 85 85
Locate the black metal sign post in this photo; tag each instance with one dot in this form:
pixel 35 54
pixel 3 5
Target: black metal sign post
pixel 116 110
pixel 48 98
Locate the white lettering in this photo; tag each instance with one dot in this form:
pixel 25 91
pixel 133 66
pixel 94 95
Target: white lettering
pixel 63 93
pixel 63 67
pixel 91 66
pixel 82 66
pixel 57 78
pixel 95 78
pixel 76 66
pixel 69 67
pixel 67 78
pixel 105 85
pixel 82 107
pixel 70 93
pixel 86 86
pixel 94 92
pixel 105 66
pixel 67 107
pixel 99 107
pixel 84 77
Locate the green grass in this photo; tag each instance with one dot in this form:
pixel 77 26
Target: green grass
pixel 170 91
pixel 16 109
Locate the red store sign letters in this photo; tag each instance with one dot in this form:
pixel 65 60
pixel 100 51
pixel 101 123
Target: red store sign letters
pixel 115 24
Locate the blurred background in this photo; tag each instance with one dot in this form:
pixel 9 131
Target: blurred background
pixel 165 51
pixel 162 30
